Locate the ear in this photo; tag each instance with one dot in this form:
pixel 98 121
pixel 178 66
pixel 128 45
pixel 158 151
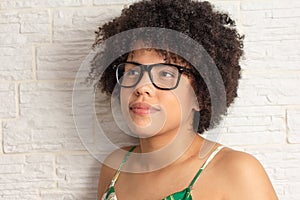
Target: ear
pixel 196 106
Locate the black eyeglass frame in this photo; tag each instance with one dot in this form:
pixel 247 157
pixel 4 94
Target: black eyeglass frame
pixel 148 69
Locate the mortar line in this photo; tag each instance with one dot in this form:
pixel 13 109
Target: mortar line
pixel 17 99
pixel 1 138
pixel 38 8
pixel 286 126
pixel 34 63
pixel 51 22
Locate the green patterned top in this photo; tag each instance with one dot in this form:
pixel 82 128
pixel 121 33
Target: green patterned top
pixel 181 195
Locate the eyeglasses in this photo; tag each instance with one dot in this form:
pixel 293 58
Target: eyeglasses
pixel 163 76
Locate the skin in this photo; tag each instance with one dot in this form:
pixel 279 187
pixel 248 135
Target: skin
pixel 175 109
pixel 231 175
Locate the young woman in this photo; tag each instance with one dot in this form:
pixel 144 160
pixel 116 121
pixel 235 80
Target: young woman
pixel 166 103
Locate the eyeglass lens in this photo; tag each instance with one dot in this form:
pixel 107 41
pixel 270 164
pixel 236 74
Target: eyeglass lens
pixel 161 75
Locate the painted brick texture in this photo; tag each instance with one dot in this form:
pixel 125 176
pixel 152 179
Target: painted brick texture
pixel 42 45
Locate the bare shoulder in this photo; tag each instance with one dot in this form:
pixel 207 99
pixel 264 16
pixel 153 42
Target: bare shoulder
pixel 247 177
pixel 238 159
pixel 109 168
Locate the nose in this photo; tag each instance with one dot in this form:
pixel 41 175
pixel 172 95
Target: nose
pixel 144 86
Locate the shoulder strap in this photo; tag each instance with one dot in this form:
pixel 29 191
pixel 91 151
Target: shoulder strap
pixel 120 167
pixel 212 155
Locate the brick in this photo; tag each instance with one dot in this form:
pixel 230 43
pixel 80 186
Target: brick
pixel 272 55
pixel 284 91
pixel 10 169
pixel 264 120
pixel 293 124
pixel 285 170
pixel 7 100
pixel 288 31
pixel 16 62
pixel 250 18
pixel 269 25
pixel 232 8
pixel 78 25
pixel 280 189
pixel 272 34
pixel 9 28
pixel 271 64
pixel 1 140
pixel 272 127
pixel 60 61
pixel 77 171
pixel 281 163
pixel 35 27
pixel 109 2
pixel 269 89
pixel 10 17
pixel 13 39
pixel 46 121
pixel 12 195
pixel 15 54
pixel 254 5
pixel 34 17
pixel 247 119
pixel 282 13
pixel 18 4
pixel 26 184
pixel 252 138
pixel 39 171
pixel 286 51
pixel 68 194
pixel 253 111
pixel 257 52
pixel 293 191
pixel 21 176
pixel 278 4
pixel 7 160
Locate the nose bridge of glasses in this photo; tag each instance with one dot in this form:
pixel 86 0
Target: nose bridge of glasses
pixel 145 78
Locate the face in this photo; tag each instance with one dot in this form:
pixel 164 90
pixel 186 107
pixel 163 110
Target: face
pixel 150 111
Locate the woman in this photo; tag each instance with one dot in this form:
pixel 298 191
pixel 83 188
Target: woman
pixel 166 103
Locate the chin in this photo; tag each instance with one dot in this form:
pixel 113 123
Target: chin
pixel 144 126
pixel 143 129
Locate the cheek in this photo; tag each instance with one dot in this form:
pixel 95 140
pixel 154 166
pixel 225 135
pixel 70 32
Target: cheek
pixel 172 105
pixel 124 97
pixel 187 100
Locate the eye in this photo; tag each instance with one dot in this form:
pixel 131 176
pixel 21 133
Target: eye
pixel 132 72
pixel 166 74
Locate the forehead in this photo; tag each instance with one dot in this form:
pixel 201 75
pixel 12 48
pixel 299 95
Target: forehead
pixel 151 56
pixel 145 55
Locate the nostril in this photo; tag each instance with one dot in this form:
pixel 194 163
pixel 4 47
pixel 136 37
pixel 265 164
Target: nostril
pixel 143 90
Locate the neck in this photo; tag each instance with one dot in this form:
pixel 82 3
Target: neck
pixel 164 149
pixel 176 138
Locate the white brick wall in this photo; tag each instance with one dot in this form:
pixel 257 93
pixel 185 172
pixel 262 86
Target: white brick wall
pixel 42 44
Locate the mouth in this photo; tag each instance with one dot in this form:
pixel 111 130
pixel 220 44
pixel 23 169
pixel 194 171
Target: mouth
pixel 141 108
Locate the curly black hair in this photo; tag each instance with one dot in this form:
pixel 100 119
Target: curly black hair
pixel 213 29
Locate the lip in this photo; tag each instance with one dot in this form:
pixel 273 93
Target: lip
pixel 142 108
